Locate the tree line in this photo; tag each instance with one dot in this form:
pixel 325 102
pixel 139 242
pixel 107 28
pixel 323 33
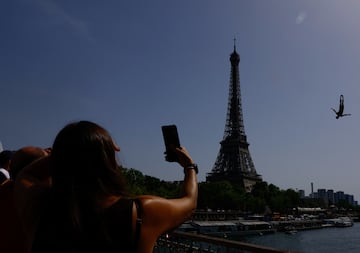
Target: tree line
pixel 224 195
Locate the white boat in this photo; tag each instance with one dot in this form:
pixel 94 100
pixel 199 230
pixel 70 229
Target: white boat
pixel 339 222
pixel 344 222
pixel 291 230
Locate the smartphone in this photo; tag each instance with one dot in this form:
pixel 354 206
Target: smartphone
pixel 171 138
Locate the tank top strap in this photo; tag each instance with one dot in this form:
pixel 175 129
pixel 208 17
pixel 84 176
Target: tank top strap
pixel 138 222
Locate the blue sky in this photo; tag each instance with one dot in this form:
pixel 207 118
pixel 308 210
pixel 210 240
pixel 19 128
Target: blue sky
pixel 132 66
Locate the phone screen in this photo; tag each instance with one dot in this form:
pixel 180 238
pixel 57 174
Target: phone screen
pixel 171 138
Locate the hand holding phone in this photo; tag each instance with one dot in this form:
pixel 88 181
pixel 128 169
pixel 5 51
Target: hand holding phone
pixel 171 139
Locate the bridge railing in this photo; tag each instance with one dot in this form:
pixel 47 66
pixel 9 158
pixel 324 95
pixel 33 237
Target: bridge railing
pixel 189 242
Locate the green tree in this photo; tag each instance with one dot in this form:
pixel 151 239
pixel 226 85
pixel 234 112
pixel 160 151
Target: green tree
pixel 218 195
pixel 135 181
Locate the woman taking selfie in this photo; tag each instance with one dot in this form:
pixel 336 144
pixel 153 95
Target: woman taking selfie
pixel 74 200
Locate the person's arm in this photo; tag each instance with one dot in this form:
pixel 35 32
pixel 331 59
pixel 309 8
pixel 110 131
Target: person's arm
pixel 160 214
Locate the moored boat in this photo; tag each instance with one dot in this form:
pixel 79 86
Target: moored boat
pixel 231 227
pixel 339 222
pixel 291 230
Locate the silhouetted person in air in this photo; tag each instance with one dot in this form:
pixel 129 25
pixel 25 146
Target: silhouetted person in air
pixel 340 113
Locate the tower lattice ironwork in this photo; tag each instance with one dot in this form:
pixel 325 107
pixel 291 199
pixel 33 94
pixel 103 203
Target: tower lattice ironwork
pixel 234 162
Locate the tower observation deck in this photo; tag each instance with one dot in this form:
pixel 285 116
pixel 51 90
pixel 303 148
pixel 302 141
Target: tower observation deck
pixel 233 162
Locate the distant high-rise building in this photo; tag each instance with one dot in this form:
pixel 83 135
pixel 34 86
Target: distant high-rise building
pixel 322 193
pixel 349 198
pixel 330 196
pixel 301 193
pixel 338 196
pixel 233 161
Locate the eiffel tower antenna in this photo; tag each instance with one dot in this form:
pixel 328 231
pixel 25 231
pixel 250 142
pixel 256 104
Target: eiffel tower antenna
pixel 233 162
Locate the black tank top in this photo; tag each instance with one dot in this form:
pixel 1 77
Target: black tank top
pixel 108 232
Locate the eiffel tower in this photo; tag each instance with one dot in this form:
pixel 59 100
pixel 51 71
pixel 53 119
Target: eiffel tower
pixel 234 162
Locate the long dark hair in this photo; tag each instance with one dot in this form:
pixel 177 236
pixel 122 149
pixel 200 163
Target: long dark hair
pixel 84 169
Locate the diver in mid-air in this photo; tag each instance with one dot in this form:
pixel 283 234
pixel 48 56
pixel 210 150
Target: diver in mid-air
pixel 340 113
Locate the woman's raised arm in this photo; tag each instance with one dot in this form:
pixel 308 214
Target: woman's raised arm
pixel 160 215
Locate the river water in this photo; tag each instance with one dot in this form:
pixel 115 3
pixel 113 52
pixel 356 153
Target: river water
pixel 326 240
